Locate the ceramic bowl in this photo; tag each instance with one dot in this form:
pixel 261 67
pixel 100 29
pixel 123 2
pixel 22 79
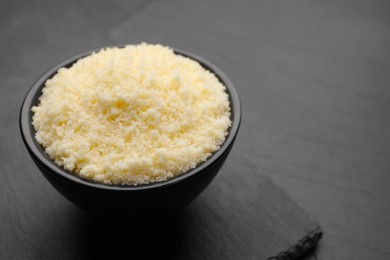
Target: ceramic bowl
pixel 153 199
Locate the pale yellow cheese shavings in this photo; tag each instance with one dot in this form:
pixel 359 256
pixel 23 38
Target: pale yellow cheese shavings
pixel 132 115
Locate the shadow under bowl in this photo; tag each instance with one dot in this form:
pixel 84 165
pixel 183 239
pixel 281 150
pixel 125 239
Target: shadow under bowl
pixel 155 199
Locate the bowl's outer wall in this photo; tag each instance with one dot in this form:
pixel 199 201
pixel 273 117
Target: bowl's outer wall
pixel 138 203
pixel 160 199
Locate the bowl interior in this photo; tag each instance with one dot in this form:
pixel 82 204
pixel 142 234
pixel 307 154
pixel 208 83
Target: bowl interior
pixel 40 156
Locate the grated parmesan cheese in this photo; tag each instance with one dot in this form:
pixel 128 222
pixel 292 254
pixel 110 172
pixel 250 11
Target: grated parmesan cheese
pixel 132 115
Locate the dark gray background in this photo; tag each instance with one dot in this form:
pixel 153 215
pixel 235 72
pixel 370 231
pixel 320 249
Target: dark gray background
pixel 314 81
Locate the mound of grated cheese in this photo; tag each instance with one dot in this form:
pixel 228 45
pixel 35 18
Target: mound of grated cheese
pixel 132 115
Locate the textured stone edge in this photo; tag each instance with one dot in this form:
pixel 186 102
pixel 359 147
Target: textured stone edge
pixel 303 246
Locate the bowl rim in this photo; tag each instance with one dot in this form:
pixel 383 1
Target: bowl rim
pixel 40 157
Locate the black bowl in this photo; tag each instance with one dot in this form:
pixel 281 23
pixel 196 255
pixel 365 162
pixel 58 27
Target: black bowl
pixel 154 199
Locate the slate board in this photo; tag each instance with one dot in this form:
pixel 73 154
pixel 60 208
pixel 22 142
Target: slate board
pixel 241 215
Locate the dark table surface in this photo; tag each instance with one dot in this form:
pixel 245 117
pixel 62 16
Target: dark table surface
pixel 314 81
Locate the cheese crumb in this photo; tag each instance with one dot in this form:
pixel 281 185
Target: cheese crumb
pixel 132 115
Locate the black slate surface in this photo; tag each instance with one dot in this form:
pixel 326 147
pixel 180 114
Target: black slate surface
pixel 235 218
pixel 313 80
